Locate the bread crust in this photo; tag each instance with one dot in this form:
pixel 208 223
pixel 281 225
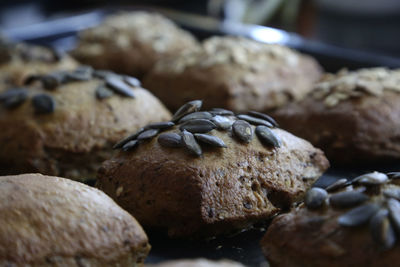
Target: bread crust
pixel 224 190
pixel 358 129
pixel 131 42
pixel 52 221
pixel 74 139
pixel 234 73
pixel 314 237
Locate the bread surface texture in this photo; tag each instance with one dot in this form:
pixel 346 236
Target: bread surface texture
pixel 52 221
pixel 234 73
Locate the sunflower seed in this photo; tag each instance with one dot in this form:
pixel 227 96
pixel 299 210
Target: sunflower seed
pixel 264 117
pixel 103 92
pixel 196 115
pixel 57 53
pixel 170 140
pixel 43 103
pixel 187 108
pixel 221 112
pixel 347 199
pixel 242 130
pixel 267 137
pixel 198 126
pixel 160 125
pixel 393 175
pixel 50 82
pixel 254 121
pixel 31 78
pixel 118 86
pixel 82 73
pixel 127 139
pixel 148 134
pixel 373 178
pixel 190 143
pixel 381 229
pixel 222 123
pixel 132 81
pixel 359 215
pixel 130 145
pixel 210 139
pixel 13 97
pixel 394 213
pixel 392 192
pixel 336 185
pixel 315 197
pixel 103 74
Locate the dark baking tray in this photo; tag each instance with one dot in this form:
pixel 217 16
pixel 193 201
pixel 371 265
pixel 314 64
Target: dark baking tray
pixel 243 247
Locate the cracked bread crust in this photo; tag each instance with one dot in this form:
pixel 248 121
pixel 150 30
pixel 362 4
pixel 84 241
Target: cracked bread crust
pixel 224 190
pixel 74 139
pixel 360 128
pixel 234 73
pixel 52 221
pixel 131 42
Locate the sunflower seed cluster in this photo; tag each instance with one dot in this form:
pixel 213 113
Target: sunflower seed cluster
pixel 28 53
pixel 44 103
pixel 349 84
pixel 194 129
pixel 371 199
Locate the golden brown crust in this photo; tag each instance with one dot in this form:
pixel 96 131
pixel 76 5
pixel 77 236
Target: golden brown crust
pixel 359 127
pixel 131 42
pixel 226 189
pixel 51 221
pixel 314 237
pixel 74 139
pixel 18 61
pixel 234 73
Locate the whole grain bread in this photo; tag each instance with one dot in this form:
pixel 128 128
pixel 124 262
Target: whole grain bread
pixel 20 60
pixel 354 116
pixel 321 235
pixel 131 42
pixel 195 190
pixel 69 130
pixel 52 221
pixel 234 73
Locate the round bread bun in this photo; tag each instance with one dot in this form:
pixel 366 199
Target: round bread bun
pixel 20 60
pixel 131 42
pixel 197 182
pixel 52 221
pixel 65 123
pixel 349 223
pixel 353 116
pixel 234 73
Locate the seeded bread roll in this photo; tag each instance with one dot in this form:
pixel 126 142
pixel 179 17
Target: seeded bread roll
pixel 66 122
pixel 355 223
pixel 52 221
pixel 234 73
pixel 18 61
pixel 197 263
pixel 353 116
pixel 210 173
pixel 131 42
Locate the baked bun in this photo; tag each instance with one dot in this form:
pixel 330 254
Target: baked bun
pixel 65 123
pixel 18 61
pixel 193 181
pixel 52 221
pixel 131 42
pixel 351 223
pixel 197 263
pixel 234 73
pixel 354 116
